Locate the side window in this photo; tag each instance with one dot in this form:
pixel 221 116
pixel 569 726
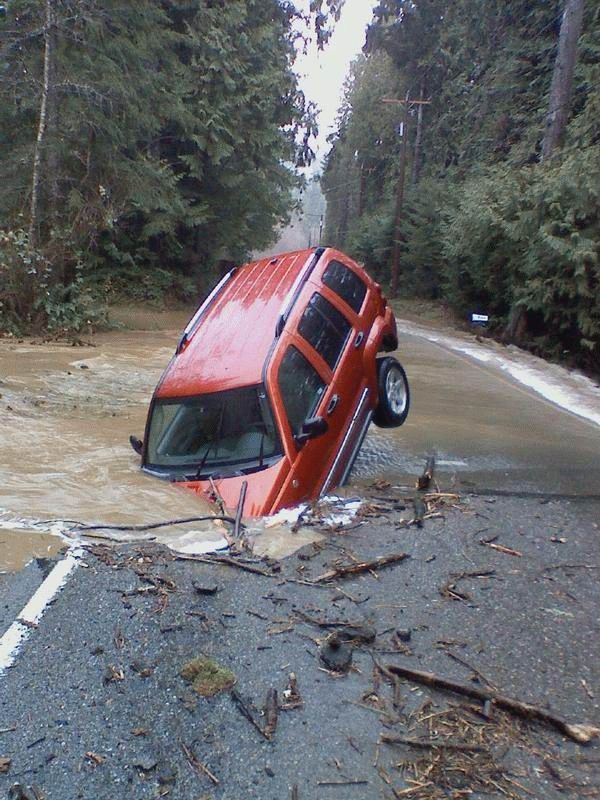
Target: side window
pixel 325 329
pixel 346 284
pixel 301 388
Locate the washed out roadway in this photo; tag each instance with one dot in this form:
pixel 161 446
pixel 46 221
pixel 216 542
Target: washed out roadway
pixel 530 627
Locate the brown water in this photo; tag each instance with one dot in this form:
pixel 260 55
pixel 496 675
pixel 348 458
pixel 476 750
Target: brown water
pixel 67 413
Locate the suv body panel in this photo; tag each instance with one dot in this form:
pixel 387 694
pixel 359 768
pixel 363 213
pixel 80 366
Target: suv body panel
pixel 240 338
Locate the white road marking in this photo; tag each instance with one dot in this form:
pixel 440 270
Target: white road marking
pixel 31 614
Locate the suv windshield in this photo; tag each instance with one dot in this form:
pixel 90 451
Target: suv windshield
pixel 220 433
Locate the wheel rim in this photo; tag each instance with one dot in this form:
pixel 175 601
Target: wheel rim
pixel 395 390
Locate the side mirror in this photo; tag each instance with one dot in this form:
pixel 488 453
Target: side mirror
pixel 137 444
pixel 311 428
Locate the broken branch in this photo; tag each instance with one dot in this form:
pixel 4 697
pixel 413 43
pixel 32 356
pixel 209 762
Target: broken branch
pixel 363 566
pixel 580 733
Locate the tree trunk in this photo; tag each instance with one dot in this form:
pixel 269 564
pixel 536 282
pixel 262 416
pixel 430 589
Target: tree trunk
pixel 562 78
pixel 36 180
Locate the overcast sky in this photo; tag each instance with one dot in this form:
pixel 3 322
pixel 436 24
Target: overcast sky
pixel 323 73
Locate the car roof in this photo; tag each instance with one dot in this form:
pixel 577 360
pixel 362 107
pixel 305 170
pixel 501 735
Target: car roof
pixel 228 340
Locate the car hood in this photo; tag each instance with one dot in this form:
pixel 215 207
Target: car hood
pixel 262 489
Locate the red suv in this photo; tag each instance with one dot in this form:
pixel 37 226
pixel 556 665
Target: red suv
pixel 274 382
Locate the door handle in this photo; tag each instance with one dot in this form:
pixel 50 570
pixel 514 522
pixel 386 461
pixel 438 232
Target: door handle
pixel 359 339
pixel 333 403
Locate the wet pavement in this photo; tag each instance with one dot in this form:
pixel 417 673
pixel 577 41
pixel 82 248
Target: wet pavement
pixel 96 706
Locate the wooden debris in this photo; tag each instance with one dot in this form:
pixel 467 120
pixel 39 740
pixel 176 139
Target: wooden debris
pixel 501 548
pixel 424 480
pixel 292 696
pixel 198 765
pixel 430 744
pixel 357 569
pixel 295 793
pixel 240 509
pixel 346 782
pixel 4 764
pixel 271 713
pixel 580 733
pixel 450 590
pixel 228 561
pixel 95 759
pixel 245 711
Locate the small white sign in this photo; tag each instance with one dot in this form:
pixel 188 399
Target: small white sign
pixel 480 318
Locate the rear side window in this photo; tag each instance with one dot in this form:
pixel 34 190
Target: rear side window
pixel 301 388
pixel 346 284
pixel 325 329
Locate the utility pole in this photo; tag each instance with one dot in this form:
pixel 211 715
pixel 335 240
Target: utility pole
pixel 407 102
pixel 562 77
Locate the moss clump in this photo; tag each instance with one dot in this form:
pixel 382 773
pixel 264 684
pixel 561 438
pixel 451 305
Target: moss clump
pixel 207 677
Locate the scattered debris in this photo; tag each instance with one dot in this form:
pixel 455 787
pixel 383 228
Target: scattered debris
pixel 357 569
pixel 228 560
pixel 336 654
pixel 207 677
pixel 501 548
pixel 19 792
pixel 580 733
pixel 292 696
pixel 245 711
pixel 271 713
pixel 198 765
pixel 450 590
pixel 95 759
pixel 424 480
pixel 4 764
pixel 430 744
pixel 205 588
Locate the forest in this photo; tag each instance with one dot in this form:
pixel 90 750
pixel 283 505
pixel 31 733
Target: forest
pixel 483 188
pixel 144 145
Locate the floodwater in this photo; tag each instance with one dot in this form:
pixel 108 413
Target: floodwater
pixel 67 413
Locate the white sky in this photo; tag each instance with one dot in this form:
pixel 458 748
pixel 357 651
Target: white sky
pixel 323 73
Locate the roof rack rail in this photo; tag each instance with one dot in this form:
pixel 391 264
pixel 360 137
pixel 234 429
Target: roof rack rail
pixel 295 291
pixel 192 325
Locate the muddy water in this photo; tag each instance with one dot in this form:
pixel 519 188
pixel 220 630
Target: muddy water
pixel 66 414
pixel 488 430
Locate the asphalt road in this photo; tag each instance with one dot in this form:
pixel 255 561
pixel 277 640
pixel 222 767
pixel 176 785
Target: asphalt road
pixel 100 710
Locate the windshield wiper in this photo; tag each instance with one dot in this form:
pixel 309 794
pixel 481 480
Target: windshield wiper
pixel 215 444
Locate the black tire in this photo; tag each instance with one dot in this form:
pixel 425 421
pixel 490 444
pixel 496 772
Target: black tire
pixel 394 394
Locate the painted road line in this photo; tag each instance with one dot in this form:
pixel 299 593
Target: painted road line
pixel 34 610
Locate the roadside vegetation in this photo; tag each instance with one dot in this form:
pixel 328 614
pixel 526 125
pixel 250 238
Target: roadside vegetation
pixel 143 147
pixel 499 208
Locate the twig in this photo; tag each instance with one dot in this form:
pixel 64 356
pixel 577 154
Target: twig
pixel 431 743
pixel 240 509
pixel 425 479
pixel 271 711
pixel 363 566
pixel 501 548
pixel 197 764
pixel 153 525
pixel 235 696
pixel 217 495
pixel 348 782
pixel 228 560
pixel 581 733
pixel 466 664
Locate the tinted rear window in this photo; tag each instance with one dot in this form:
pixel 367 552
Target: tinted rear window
pixel 325 329
pixel 346 284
